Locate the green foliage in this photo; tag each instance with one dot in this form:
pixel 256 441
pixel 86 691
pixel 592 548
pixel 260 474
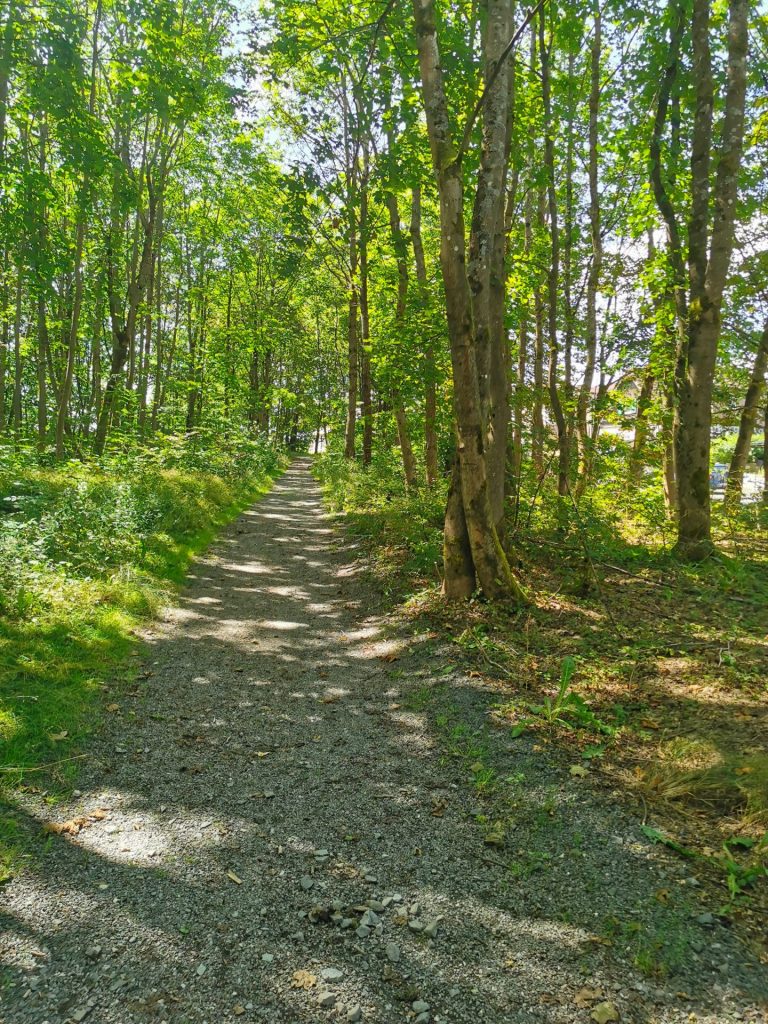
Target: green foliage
pixel 405 527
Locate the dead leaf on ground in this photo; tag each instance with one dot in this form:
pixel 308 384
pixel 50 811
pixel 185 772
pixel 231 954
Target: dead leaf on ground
pixel 586 996
pixel 234 878
pixel 579 770
pixel 55 737
pixel 66 828
pixel 303 979
pixel 113 707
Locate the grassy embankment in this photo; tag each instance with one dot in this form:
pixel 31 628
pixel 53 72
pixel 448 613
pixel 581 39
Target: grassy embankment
pixel 88 551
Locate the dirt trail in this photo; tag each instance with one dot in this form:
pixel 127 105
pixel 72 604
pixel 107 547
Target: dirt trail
pixel 272 799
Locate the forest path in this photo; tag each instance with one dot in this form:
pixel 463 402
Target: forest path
pixel 271 798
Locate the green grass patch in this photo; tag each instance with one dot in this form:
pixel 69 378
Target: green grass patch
pixel 87 554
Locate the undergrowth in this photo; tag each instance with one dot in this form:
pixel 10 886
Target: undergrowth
pixel 648 673
pixel 88 550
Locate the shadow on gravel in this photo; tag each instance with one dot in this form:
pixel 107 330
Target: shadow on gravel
pixel 276 770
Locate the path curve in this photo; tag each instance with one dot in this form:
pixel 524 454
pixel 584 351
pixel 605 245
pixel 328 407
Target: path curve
pixel 274 834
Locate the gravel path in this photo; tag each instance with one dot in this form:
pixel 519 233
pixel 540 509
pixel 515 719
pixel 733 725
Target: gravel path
pixel 269 829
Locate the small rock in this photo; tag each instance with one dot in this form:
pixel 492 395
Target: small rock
pixel 81 1013
pixel 416 926
pixel 363 931
pixel 370 878
pixel 322 853
pixel 326 1000
pixel 355 1014
pixel 331 974
pixel 422 1018
pixel 93 952
pixel 393 952
pixel 431 929
pixel 708 920
pixel 419 1006
pixel 347 922
pixel 377 906
pixel 306 883
pixel 201 969
pixel 267 958
pixel 369 919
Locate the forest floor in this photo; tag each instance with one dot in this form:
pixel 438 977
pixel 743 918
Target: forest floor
pixel 290 814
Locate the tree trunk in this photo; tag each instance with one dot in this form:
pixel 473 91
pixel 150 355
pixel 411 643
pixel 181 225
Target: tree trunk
pixel 553 279
pixel 709 259
pixel 365 337
pixel 399 245
pixel 735 483
pixel 641 428
pixel 430 397
pixel 478 534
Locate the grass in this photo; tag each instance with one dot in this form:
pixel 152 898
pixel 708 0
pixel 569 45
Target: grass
pixel 668 702
pixel 70 618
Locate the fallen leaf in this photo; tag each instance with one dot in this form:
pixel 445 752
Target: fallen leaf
pixel 438 808
pixel 663 895
pixel 262 753
pixel 579 770
pixel 746 770
pixel 303 979
pixel 68 828
pixel 113 707
pixel 54 737
pixel 233 878
pixel 99 814
pixel 586 996
pixel 605 1012
pixel 238 1010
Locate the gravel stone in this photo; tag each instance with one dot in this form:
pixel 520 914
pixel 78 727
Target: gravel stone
pixel 331 974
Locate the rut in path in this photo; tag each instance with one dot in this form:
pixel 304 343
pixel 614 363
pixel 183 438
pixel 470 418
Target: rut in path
pixel 272 799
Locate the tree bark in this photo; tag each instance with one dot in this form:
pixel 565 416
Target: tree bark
pixel 709 259
pixel 735 484
pixel 399 246
pixel 596 266
pixel 477 534
pixel 430 397
pixel 641 428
